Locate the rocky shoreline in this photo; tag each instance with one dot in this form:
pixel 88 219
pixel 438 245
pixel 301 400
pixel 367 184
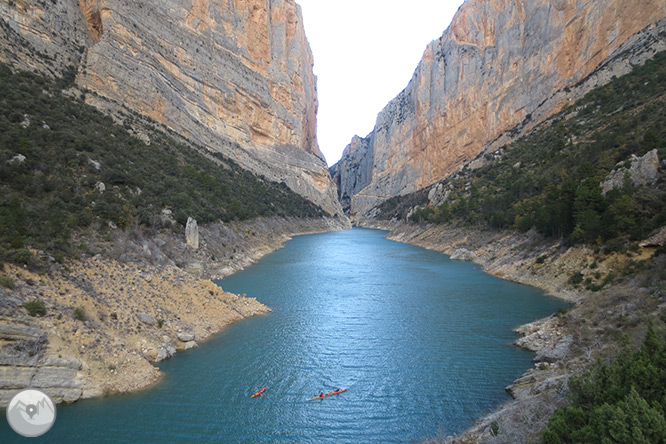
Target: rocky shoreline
pixel 138 300
pixel 565 344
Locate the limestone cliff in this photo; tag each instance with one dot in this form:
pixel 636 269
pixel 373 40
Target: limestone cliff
pixel 501 67
pixel 234 76
pixel 353 172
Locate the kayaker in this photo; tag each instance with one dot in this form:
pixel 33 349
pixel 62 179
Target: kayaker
pixel 321 395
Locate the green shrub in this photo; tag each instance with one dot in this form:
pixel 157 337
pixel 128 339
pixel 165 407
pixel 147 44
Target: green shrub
pixel 35 308
pixel 80 313
pixel 576 279
pixel 7 282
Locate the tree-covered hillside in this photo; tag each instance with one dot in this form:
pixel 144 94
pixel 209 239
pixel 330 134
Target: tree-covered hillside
pixel 621 403
pixel 65 167
pixel 550 179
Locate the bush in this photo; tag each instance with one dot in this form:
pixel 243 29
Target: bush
pixel 7 282
pixel 80 313
pixel 35 308
pixel 576 279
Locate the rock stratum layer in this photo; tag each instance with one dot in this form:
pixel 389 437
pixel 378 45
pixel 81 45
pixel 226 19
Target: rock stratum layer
pixel 501 67
pixel 233 76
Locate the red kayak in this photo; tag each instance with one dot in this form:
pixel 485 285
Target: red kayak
pixel 259 393
pixel 322 396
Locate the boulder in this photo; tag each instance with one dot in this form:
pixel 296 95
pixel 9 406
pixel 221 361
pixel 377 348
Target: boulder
pixel 192 233
pixel 642 171
pixel 166 351
pixel 147 318
pixel 463 254
pixel 657 239
pixel 185 337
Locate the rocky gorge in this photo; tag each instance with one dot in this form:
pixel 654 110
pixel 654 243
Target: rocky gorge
pixel 232 77
pixel 500 69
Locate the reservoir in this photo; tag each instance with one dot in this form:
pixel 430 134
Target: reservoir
pixel 422 343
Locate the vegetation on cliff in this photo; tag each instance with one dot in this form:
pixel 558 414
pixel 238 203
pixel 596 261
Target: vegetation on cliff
pixel 66 167
pixel 623 402
pixel 550 180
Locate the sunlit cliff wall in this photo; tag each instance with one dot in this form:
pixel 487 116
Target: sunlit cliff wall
pixel 234 76
pixel 499 69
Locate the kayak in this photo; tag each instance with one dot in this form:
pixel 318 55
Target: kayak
pixel 259 393
pixel 334 392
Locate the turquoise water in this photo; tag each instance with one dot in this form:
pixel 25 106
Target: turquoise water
pixel 422 343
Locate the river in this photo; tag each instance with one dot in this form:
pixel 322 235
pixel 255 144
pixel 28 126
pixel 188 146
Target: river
pixel 423 344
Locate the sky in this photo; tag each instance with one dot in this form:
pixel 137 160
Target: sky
pixel 365 52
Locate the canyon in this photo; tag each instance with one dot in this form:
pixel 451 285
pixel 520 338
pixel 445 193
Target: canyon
pixel 233 77
pixel 500 69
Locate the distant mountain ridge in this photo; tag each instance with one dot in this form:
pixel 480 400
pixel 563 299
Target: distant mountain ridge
pixel 501 67
pixel 233 76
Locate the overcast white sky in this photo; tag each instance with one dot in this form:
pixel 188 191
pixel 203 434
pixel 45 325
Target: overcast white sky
pixel 365 53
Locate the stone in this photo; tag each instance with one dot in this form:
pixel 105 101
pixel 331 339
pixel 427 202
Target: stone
pixel 556 353
pixel 657 239
pixel 192 233
pixel 17 160
pixel 64 394
pixel 147 318
pixel 55 377
pixel 66 363
pixel 166 351
pixel 167 216
pixel 99 186
pixel 15 332
pixel 185 337
pixel 463 254
pixel 12 377
pixel 642 171
pixel 190 345
pixel 500 69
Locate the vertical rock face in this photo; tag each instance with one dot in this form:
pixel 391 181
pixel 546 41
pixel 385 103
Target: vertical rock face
pixel 234 76
pixel 354 170
pixel 500 68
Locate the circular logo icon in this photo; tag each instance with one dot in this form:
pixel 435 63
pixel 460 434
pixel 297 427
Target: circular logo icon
pixel 31 413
